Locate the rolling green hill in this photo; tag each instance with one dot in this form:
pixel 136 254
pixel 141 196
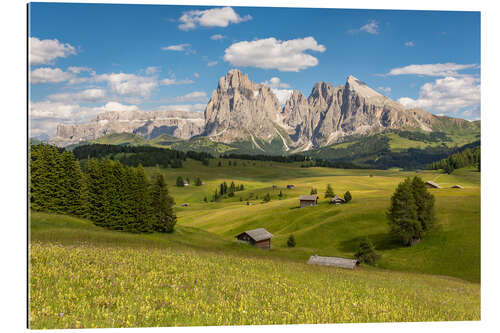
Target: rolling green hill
pixel 82 276
pixel 335 230
pixel 408 149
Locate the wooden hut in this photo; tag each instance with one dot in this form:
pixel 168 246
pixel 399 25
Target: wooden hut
pixel 308 200
pixel 431 184
pixel 457 186
pixel 260 238
pixel 333 261
pixel 290 186
pixel 337 200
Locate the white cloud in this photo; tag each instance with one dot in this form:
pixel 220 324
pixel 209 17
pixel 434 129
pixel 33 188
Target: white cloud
pixel 216 17
pixel 88 95
pixel 44 116
pixel 270 53
pixel 115 106
pixel 196 75
pixel 177 48
pixel 49 75
pixel 410 44
pixel 275 83
pixel 152 70
pixel 385 90
pixel 182 107
pixel 446 69
pixel 129 84
pixel 447 95
pixel 192 96
pixel 217 37
pixel 283 95
pixel 171 81
pixel 78 70
pixel 212 63
pixel 371 27
pixel 45 51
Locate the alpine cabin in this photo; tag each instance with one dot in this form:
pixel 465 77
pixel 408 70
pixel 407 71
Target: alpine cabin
pixel 260 238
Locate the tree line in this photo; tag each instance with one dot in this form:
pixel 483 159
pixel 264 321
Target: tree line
pixel 466 157
pixel 107 192
pixel 145 155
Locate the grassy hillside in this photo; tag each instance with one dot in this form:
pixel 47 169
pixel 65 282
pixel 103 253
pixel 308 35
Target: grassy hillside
pixel 84 276
pixel 452 248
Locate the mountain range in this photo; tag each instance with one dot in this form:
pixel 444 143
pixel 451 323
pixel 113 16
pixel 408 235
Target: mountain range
pixel 243 113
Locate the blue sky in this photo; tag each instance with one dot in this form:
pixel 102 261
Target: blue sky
pixel 89 58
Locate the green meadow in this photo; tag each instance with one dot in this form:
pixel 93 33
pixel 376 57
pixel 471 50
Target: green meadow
pixel 85 276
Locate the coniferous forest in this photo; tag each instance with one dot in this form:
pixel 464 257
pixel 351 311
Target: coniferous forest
pixel 110 194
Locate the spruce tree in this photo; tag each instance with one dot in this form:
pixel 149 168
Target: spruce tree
pixel 402 214
pixel 179 182
pixel 347 196
pixel 329 191
pixel 162 203
pixel 425 204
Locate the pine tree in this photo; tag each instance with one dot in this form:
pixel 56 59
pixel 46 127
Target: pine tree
pixel 425 204
pixel 329 192
pixel 366 252
pixel 291 241
pixel 179 182
pixel 314 191
pixel 267 197
pixel 347 196
pixel 162 203
pixel 402 214
pixel 198 181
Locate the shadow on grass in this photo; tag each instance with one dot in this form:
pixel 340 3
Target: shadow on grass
pixel 381 241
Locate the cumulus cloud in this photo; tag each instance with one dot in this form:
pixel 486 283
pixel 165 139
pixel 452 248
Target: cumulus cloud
pixel 216 17
pixel 46 115
pixel 283 95
pixel 182 107
pixel 49 75
pixel 371 27
pixel 275 83
pixel 129 84
pixel 270 53
pixel 89 95
pixel 446 69
pixel 42 52
pixel 212 63
pixel 276 86
pixel 196 75
pixel 410 44
pixel 447 95
pixel 172 81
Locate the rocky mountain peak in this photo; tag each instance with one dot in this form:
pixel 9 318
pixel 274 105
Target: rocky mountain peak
pixel 361 88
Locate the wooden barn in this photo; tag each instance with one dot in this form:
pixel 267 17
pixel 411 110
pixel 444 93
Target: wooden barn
pixel 290 186
pixel 431 184
pixel 308 200
pixel 333 261
pixel 457 186
pixel 260 238
pixel 337 200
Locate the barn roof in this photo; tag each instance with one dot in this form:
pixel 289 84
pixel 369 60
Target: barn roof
pixel 333 261
pixel 431 183
pixel 337 199
pixel 308 197
pixel 457 186
pixel 258 234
